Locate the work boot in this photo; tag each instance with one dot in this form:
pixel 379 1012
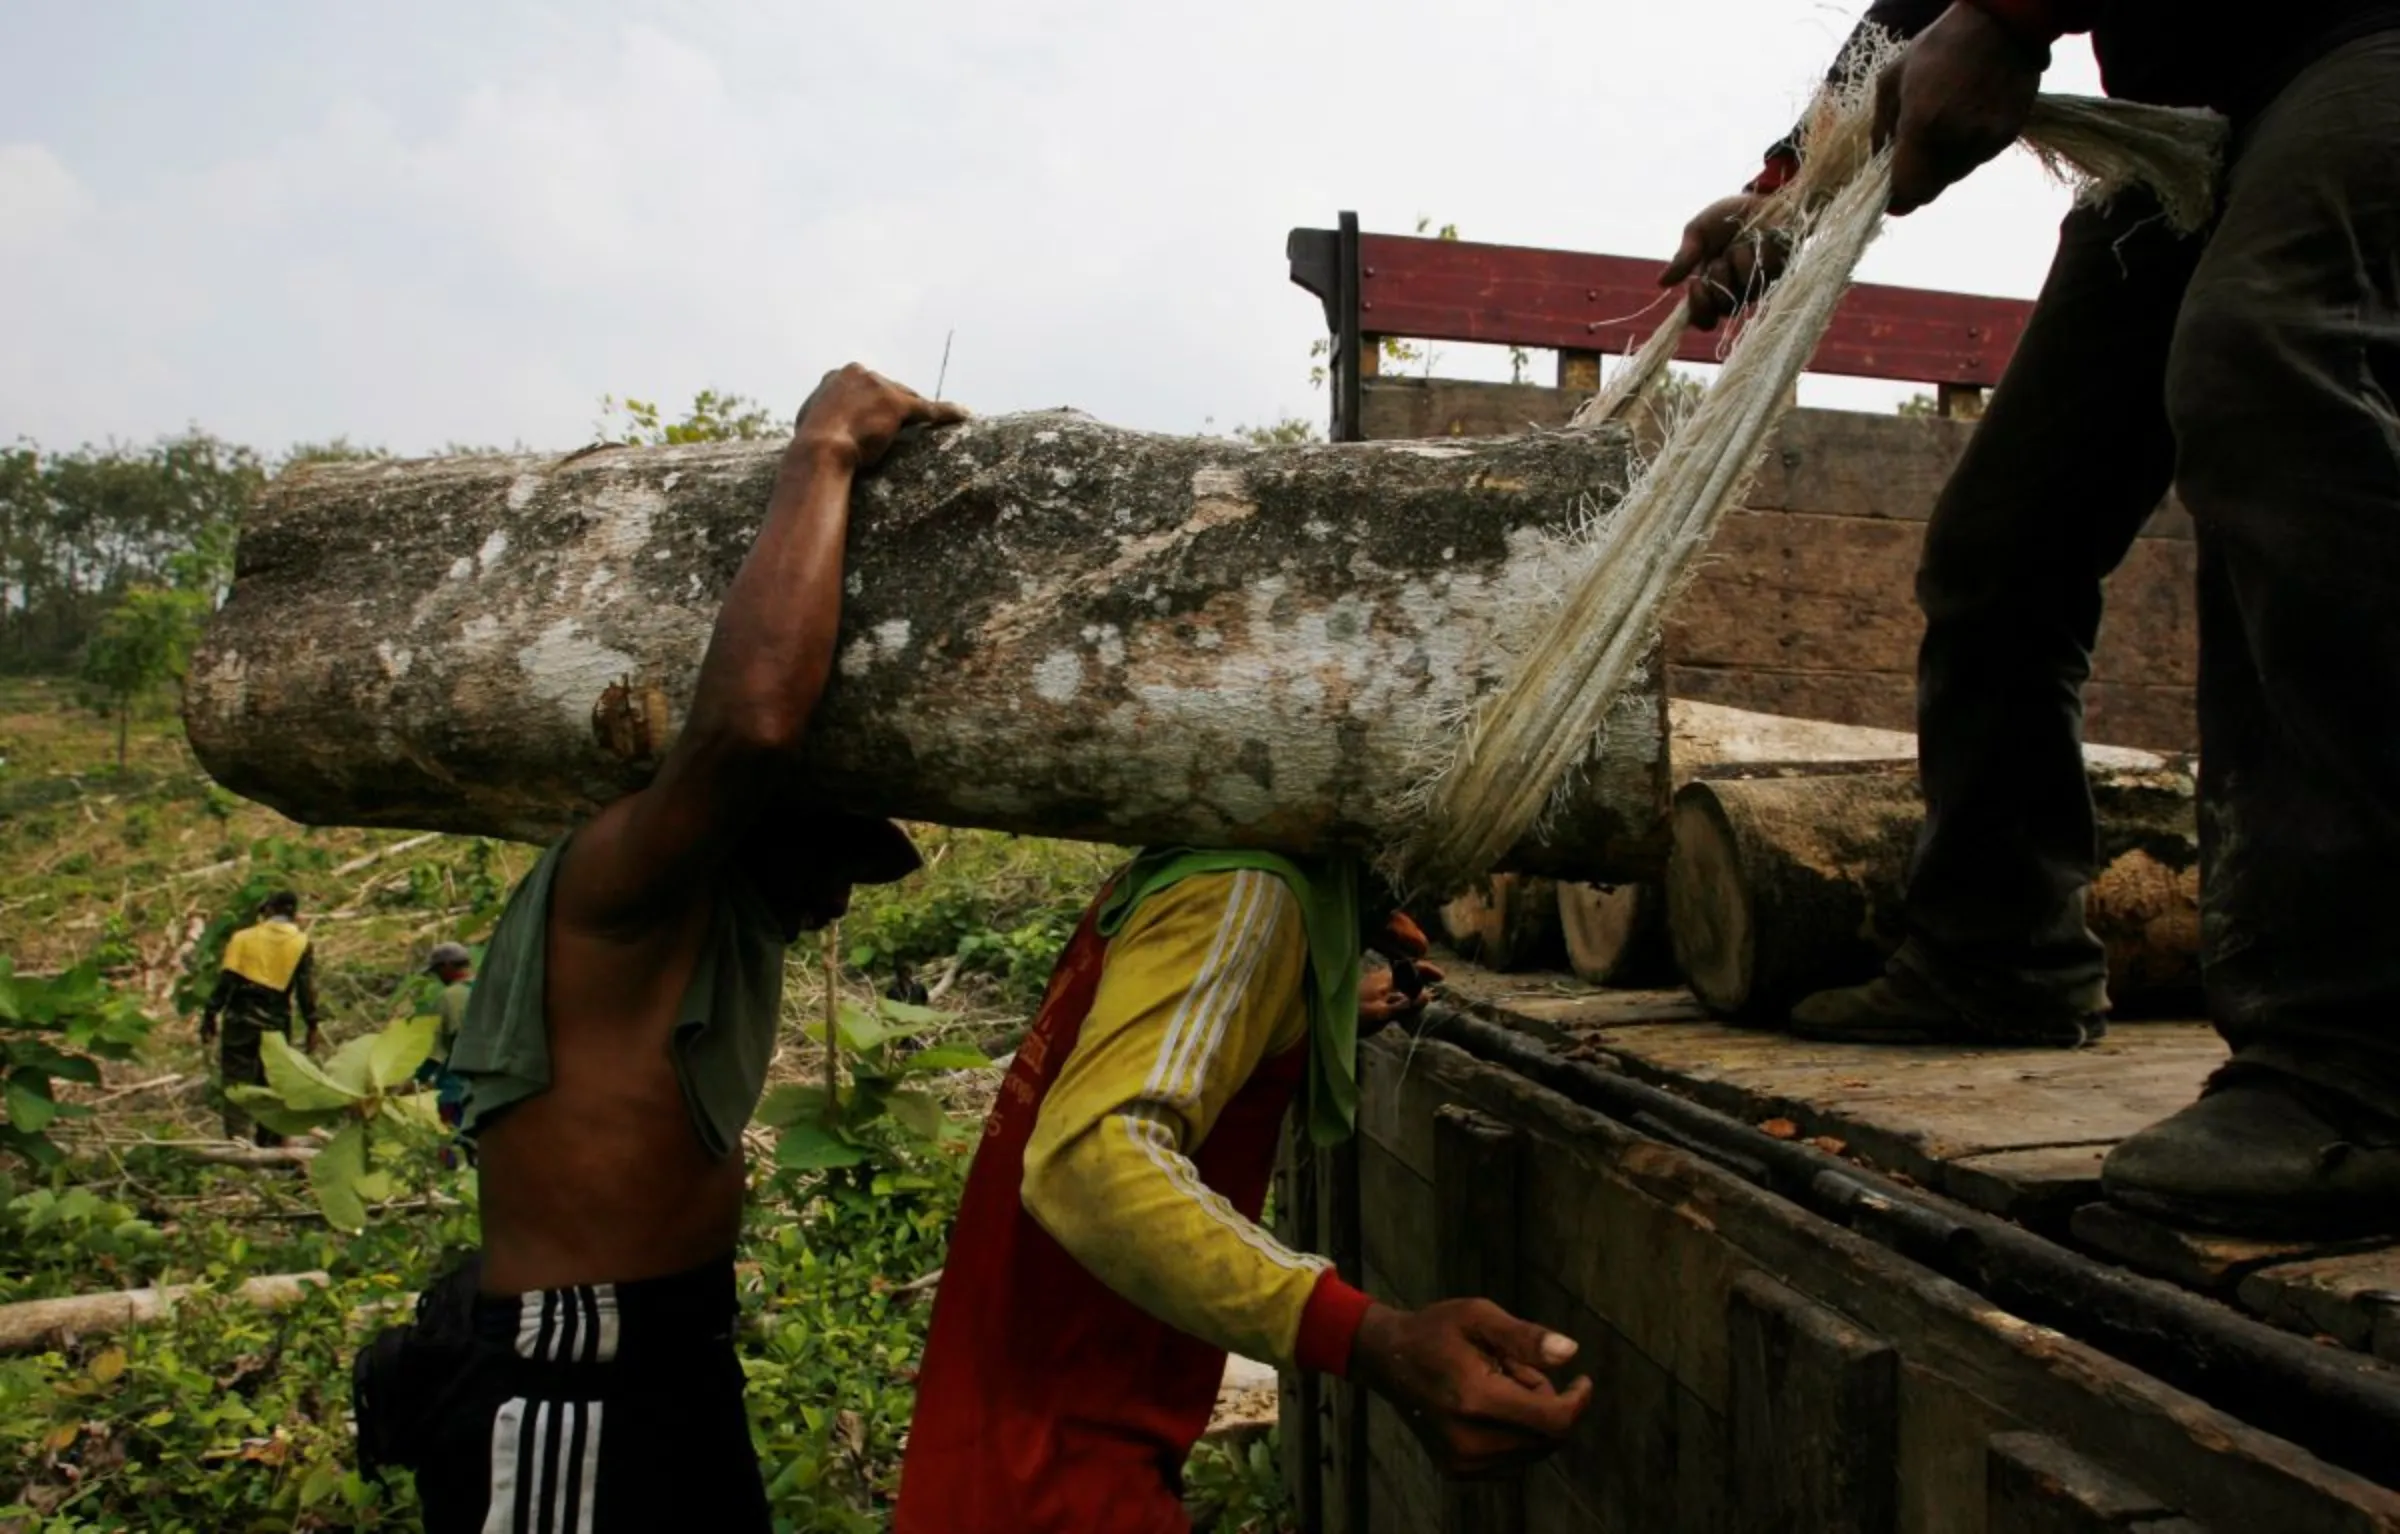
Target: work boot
pixel 2264 1154
pixel 1905 1007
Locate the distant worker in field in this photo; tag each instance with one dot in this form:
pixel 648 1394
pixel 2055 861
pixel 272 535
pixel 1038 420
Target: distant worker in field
pixel 1106 1256
pixel 2255 366
pixel 452 965
pixel 267 966
pixel 581 1375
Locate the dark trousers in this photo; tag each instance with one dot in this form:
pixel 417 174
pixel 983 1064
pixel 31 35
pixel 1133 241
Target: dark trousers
pixel 240 1064
pixel 2258 370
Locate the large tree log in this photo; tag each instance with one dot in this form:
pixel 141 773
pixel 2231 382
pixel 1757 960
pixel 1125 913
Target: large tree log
pixel 1781 886
pixel 1053 626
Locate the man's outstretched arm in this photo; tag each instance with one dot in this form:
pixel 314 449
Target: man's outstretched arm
pixel 767 663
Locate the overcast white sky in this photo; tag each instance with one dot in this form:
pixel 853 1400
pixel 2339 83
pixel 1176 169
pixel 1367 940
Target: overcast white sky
pixel 467 221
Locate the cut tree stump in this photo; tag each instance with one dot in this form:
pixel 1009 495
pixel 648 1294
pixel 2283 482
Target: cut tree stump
pixel 1782 886
pixel 29 1325
pixel 1051 626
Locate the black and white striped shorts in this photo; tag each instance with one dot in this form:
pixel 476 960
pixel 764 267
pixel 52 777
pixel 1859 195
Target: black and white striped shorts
pixel 597 1409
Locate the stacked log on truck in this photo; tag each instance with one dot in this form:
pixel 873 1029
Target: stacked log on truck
pixel 1785 883
pixel 1790 842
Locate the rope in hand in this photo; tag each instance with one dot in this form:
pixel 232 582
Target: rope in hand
pixel 1529 738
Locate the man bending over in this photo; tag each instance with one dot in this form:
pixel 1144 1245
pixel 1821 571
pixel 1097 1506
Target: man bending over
pixel 1106 1255
pixel 579 1377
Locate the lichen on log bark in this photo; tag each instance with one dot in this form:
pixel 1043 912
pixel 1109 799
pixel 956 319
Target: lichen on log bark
pixel 1051 626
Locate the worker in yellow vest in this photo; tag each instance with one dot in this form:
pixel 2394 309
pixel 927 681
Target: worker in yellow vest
pixel 267 966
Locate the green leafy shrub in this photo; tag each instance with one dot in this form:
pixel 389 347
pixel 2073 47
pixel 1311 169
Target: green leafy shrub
pixel 365 1095
pixel 1238 1488
pixel 822 1131
pixel 54 1030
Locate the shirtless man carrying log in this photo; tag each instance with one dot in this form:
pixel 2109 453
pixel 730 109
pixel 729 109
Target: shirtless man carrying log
pixel 579 1375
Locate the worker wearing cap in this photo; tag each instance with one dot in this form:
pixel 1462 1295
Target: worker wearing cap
pixel 267 967
pixel 2255 366
pixel 1107 1255
pixel 452 966
pixel 581 1374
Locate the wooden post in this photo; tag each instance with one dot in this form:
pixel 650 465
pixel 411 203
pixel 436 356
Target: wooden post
pixel 1475 1233
pixel 1959 402
pixel 1579 372
pixel 1299 1395
pixel 1813 1404
pixel 1347 1469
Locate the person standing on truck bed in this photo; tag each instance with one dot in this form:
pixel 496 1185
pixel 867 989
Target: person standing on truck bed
pixel 267 967
pixel 1106 1256
pixel 581 1374
pixel 2256 366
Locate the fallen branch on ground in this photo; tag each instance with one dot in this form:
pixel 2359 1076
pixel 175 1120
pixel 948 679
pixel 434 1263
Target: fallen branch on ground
pixel 30 1325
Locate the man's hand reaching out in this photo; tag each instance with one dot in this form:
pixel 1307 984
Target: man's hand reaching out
pixel 1472 1382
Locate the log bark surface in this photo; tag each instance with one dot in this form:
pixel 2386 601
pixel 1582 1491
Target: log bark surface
pixel 1780 886
pixel 1052 626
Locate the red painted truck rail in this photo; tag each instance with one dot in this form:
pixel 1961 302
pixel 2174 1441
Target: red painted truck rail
pixel 1508 295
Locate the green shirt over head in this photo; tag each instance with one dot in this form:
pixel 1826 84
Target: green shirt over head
pixel 1327 889
pixel 725 1026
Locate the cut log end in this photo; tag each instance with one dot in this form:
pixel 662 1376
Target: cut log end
pixel 1614 934
pixel 1708 905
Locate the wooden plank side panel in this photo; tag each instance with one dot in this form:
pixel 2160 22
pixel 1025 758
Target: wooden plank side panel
pixel 1457 290
pixel 1943 1431
pixel 1803 591
pixel 1408 1492
pixel 1813 1417
pixel 1475 1232
pixel 1398 1215
pixel 2036 1485
pixel 1647 1455
pixel 1652 1233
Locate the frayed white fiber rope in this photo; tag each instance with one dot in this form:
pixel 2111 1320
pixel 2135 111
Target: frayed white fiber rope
pixel 1521 743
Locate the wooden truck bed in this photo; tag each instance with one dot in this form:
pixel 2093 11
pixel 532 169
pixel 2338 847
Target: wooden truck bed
pixel 1832 1287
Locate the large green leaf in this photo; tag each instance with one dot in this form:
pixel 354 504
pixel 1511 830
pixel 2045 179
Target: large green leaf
pixel 32 1147
pixel 30 1106
pixel 296 1079
pixel 918 1113
pixel 400 1049
pixel 813 1148
pixel 352 1067
pixel 263 1105
pixel 791 1104
pixel 943 1057
pixel 913 1017
pixel 57 1062
pixel 335 1175
pixel 417 1110
pixel 860 1028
